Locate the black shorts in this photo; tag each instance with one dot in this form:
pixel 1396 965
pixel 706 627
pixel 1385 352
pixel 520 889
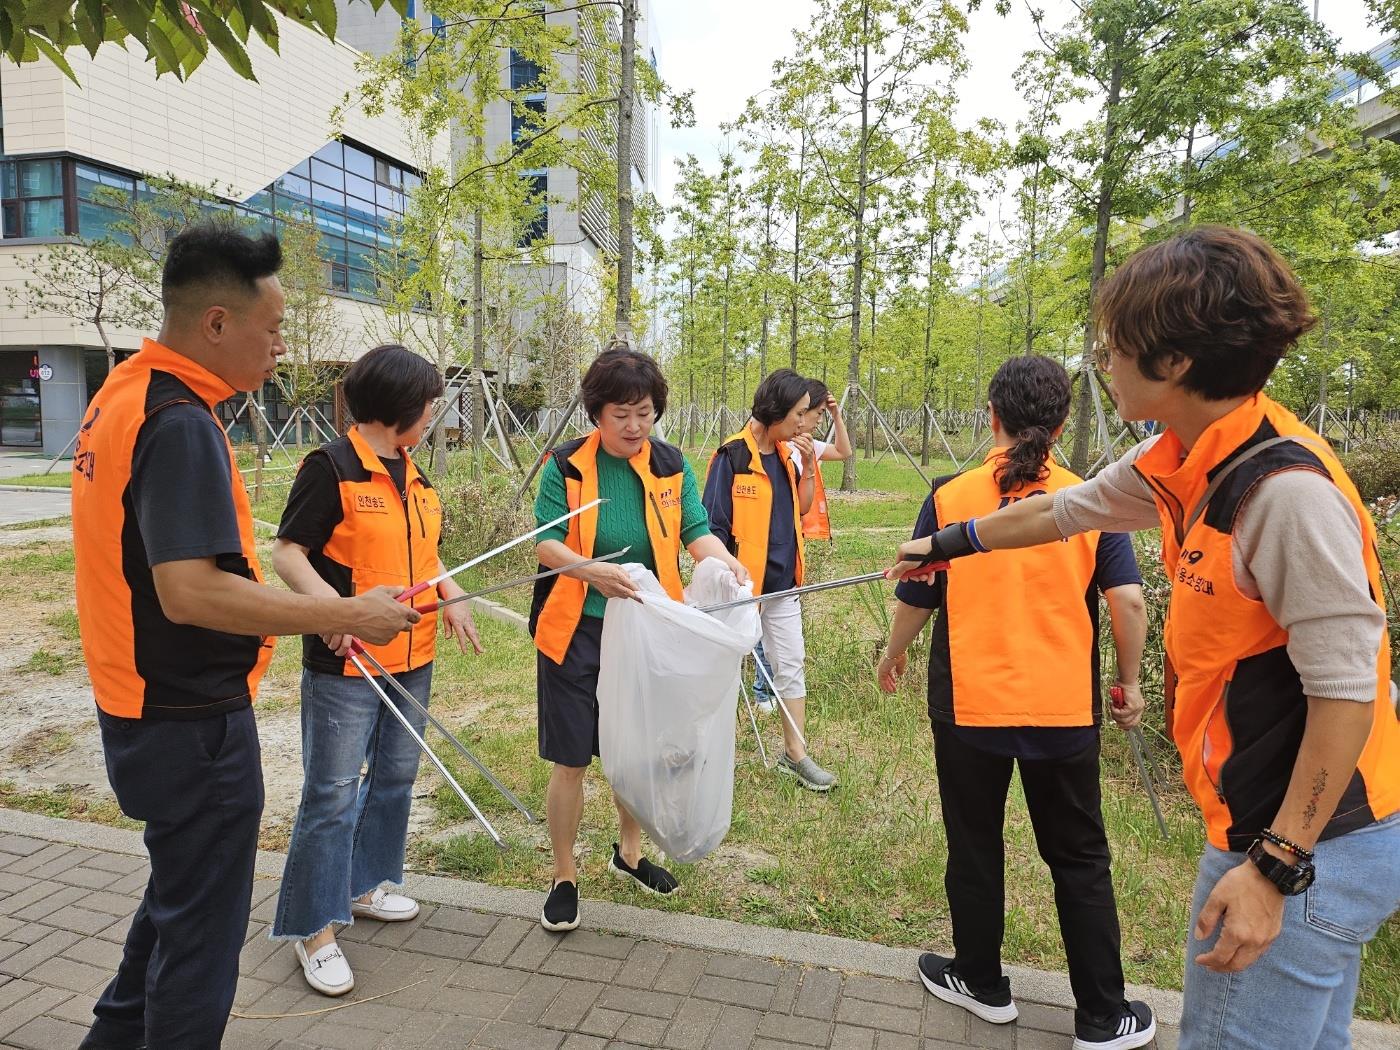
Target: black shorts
pixel 567 698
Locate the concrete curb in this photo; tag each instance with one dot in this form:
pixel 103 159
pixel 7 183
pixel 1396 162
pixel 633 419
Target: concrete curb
pixel 35 488
pixel 690 931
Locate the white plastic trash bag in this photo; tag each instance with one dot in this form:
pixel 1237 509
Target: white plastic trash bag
pixel 667 692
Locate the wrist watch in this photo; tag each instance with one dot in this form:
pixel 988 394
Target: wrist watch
pixel 1288 879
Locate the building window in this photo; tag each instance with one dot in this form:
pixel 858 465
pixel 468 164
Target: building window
pixel 525 73
pixel 20 417
pixel 527 118
pixel 536 227
pixel 95 187
pixel 355 199
pixel 31 197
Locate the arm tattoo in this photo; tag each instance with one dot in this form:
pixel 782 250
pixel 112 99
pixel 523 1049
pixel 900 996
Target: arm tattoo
pixel 1318 784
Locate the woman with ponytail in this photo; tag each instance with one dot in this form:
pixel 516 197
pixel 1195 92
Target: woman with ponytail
pixel 1014 680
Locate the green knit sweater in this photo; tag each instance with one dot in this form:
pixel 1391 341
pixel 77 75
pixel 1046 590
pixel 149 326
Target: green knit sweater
pixel 622 520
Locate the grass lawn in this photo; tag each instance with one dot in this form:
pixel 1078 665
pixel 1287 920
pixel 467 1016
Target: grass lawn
pixel 866 861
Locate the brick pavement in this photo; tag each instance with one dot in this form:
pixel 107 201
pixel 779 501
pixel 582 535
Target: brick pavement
pixel 458 977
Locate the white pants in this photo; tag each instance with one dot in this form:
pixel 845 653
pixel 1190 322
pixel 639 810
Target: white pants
pixel 784 647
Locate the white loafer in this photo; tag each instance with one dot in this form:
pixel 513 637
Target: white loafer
pixel 386 907
pixel 327 970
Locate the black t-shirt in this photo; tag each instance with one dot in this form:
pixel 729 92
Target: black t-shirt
pixel 781 571
pixel 313 506
pixel 182 487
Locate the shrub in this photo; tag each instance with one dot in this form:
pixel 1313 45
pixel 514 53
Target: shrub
pixel 1375 466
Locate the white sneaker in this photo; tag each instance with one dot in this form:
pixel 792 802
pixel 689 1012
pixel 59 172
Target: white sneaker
pixel 766 707
pixel 386 907
pixel 328 971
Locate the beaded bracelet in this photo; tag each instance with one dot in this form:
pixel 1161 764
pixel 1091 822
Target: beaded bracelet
pixel 1269 835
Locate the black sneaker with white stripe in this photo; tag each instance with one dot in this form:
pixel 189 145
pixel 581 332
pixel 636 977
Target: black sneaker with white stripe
pixel 1131 1026
pixel 990 1004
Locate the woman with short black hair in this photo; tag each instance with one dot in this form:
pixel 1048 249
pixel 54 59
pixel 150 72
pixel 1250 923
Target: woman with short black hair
pixel 653 507
pixel 360 514
pixel 752 497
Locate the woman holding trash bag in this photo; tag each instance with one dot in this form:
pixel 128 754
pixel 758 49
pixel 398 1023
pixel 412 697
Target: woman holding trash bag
pixel 653 506
pixel 360 514
pixel 1014 681
pixel 751 494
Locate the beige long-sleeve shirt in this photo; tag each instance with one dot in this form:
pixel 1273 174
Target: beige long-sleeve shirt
pixel 1296 547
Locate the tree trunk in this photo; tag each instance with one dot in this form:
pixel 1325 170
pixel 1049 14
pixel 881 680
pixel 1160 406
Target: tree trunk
pixel 1083 423
pixel 724 358
pixel 106 343
pixel 928 350
pixel 1187 201
pixel 478 335
pixel 848 465
pixel 626 91
pixel 767 255
pixel 797 248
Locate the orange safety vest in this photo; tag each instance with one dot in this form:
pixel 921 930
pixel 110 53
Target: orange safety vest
pixel 1016 642
pixel 558 601
pixel 816 523
pixel 382 539
pixel 752 498
pixel 1236 704
pixel 143 665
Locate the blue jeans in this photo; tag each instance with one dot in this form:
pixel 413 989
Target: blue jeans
pixel 761 692
pixel 1299 995
pixel 350 830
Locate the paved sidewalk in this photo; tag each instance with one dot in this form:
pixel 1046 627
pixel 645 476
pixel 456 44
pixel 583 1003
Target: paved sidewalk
pixel 488 976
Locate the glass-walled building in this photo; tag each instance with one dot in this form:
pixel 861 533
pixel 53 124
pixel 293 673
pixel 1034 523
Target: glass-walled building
pixel 64 148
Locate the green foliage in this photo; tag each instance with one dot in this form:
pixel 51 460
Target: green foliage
pixel 176 34
pixel 1375 467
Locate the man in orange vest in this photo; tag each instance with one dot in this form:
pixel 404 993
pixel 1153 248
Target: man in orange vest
pixel 1278 677
pixel 175 624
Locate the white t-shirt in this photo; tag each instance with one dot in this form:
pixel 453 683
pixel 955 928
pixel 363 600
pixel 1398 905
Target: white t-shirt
pixel 818 447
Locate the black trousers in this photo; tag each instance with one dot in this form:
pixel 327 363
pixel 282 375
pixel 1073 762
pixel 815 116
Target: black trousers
pixel 1065 808
pixel 198 786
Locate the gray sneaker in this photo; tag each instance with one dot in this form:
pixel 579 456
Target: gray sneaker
pixel 808 773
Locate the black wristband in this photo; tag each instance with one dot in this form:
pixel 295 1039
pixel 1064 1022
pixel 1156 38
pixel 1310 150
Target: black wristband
pixel 1269 835
pixel 949 542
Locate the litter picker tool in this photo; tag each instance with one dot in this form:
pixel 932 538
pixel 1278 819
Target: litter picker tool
pixel 772 688
pixel 419 588
pixel 1139 744
pixel 519 581
pixel 423 746
pixel 810 588
pixel 356 651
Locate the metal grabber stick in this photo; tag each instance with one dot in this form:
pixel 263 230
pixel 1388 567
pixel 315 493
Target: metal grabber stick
pixel 1139 744
pixel 358 650
pixel 748 702
pixel 419 588
pixel 811 588
pixel 772 688
pixel 422 708
pixel 417 739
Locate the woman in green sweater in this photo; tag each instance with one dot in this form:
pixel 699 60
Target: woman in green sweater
pixel 653 506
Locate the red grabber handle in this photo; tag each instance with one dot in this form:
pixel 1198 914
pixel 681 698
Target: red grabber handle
pixel 1115 693
pixel 925 570
pixel 416 589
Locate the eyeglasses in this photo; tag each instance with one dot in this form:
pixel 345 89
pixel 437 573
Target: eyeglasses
pixel 1103 355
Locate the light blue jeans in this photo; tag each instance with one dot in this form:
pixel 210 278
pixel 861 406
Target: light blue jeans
pixel 761 692
pixel 350 829
pixel 1299 995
